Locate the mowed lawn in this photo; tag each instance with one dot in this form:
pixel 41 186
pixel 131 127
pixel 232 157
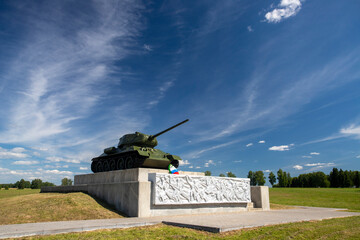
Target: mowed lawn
pixel 17 192
pixel 28 206
pixel 339 228
pixel 317 197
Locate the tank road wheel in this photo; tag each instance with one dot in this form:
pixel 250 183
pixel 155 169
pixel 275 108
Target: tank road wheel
pixel 99 167
pixel 138 161
pixel 120 164
pixel 112 165
pixel 129 162
pixel 106 166
pixel 93 166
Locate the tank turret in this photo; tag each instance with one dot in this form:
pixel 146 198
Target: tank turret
pixel 134 150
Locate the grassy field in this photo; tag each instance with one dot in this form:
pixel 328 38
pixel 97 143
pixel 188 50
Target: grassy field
pixel 26 206
pixel 55 207
pixel 317 197
pixel 342 228
pixel 17 192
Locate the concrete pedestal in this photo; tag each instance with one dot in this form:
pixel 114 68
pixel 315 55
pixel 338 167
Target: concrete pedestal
pixel 132 192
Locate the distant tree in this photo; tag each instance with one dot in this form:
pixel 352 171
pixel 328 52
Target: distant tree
pixel 334 178
pixel 66 182
pixel 230 174
pixel 221 175
pixel 260 178
pixel 6 187
pixel 251 175
pixel 207 173
pixel 357 179
pixel 36 184
pixel 347 179
pixel 21 184
pixel 341 178
pixel 48 184
pixel 272 178
pixel 284 178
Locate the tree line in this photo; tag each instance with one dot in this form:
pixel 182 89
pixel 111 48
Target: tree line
pixel 335 179
pixel 34 184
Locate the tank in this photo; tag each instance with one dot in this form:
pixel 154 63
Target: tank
pixel 135 150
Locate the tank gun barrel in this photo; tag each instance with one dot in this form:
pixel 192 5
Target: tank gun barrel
pixel 166 130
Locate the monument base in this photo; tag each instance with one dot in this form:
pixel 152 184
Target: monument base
pixel 138 193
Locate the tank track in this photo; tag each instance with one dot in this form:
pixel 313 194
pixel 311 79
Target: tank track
pixel 117 162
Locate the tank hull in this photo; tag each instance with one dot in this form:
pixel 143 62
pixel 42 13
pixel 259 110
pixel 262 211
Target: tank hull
pixel 131 157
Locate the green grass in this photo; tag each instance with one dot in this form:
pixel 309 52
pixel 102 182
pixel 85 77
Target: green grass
pixel 341 228
pixel 44 207
pixel 12 192
pixel 317 197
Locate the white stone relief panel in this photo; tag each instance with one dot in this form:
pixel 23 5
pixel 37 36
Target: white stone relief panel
pixel 170 189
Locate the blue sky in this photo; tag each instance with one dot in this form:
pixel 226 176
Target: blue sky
pixel 265 84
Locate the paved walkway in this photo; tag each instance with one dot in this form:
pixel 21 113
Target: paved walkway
pixel 208 222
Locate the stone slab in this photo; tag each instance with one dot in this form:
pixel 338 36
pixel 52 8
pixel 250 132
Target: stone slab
pixel 208 222
pixel 260 197
pixel 184 189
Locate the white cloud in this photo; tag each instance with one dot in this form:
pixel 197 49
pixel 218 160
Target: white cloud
pixel 250 29
pixel 285 9
pixel 210 162
pixel 298 167
pixel 306 156
pixel 314 164
pixel 18 150
pixel 281 148
pixel 60 159
pixel 197 167
pixel 314 153
pixel 83 168
pixel 191 167
pixel 249 144
pixel 55 171
pixel 25 162
pixel 13 153
pixel 237 161
pixel 358 156
pixel 262 141
pixel 266 171
pixel 184 162
pixel 352 130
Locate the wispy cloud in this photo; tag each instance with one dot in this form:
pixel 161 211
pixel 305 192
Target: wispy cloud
pixel 261 141
pixel 25 162
pixel 249 144
pixel 314 153
pixel 147 47
pixel 60 159
pixel 61 85
pixel 13 153
pixel 281 148
pixel 352 130
pixel 285 9
pixel 250 29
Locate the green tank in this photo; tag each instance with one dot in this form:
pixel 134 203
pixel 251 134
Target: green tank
pixel 134 150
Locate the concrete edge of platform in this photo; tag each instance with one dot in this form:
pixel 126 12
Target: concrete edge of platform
pixel 75 229
pixel 193 226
